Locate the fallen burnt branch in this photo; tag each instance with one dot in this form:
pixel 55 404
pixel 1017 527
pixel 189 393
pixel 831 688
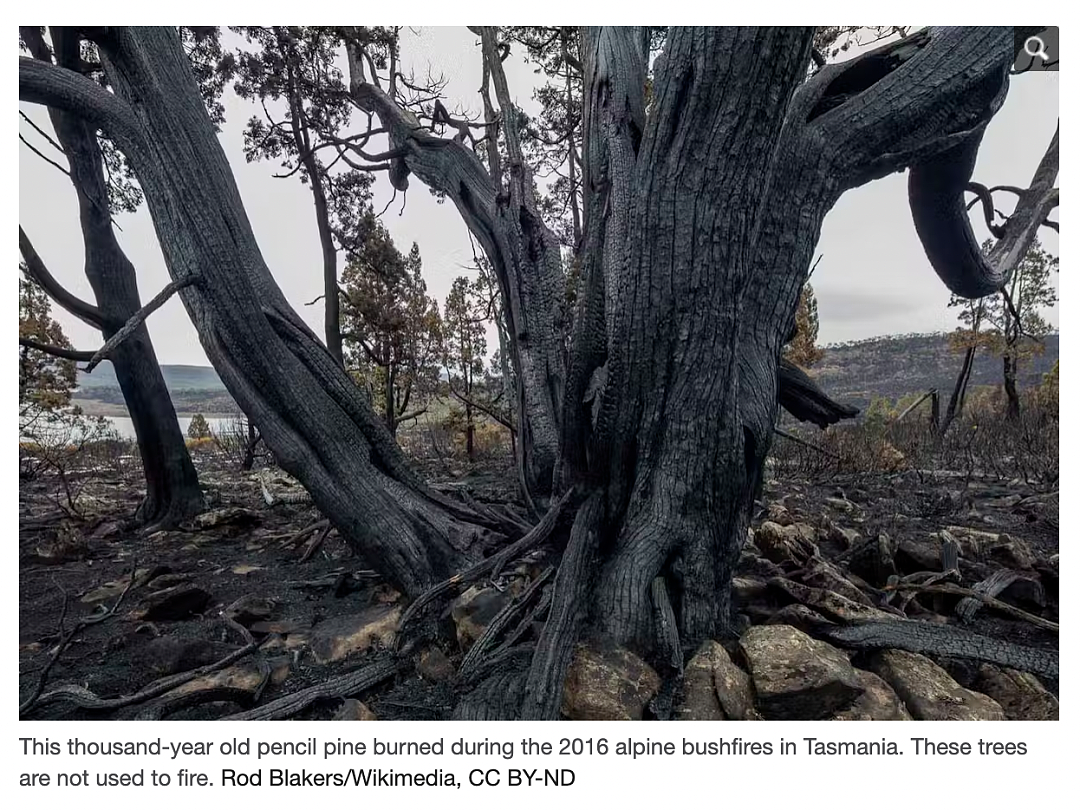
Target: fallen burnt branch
pixel 942 640
pixel 996 583
pixel 346 686
pixel 35 698
pixel 84 698
pixel 986 599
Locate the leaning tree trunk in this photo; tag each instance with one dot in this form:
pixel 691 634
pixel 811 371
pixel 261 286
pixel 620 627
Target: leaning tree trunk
pixel 172 485
pixel 502 214
pixel 308 410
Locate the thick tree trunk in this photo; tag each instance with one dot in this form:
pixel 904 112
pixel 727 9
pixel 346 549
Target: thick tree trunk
pixel 1012 394
pixel 700 222
pixel 307 408
pixel 172 485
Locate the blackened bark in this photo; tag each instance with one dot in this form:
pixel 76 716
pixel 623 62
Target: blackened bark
pixel 172 485
pixel 701 219
pixel 309 411
pixel 1012 394
pixel 524 253
pixel 331 299
pixel 959 392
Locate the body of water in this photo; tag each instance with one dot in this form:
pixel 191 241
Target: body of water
pixel 126 428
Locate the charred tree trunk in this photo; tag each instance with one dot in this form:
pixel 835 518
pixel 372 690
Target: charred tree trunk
pixel 700 223
pixel 309 411
pixel 503 215
pixel 172 484
pixel 959 392
pixel 1012 394
pixel 253 439
pixel 331 298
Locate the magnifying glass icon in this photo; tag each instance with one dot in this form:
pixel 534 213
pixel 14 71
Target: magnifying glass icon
pixel 1034 46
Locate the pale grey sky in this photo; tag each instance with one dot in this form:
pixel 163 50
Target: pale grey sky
pixel 873 280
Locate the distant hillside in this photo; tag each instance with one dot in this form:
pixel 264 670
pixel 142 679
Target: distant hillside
pixel 177 378
pixel 193 389
pixel 853 373
pixel 893 366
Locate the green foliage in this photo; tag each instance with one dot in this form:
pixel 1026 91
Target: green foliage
pixel 199 427
pixel 1010 324
pixel 54 435
pixel 45 381
pixel 293 72
pixel 803 349
pixel 466 310
pixel 552 140
pixel 391 328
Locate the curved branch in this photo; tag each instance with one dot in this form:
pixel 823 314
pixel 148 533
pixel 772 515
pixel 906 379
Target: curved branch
pixel 63 89
pixel 86 312
pixel 921 103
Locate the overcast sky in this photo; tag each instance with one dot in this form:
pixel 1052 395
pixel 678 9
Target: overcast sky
pixel 873 279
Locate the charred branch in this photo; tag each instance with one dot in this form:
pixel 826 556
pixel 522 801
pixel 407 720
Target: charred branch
pixel 86 312
pixel 136 320
pixel 806 401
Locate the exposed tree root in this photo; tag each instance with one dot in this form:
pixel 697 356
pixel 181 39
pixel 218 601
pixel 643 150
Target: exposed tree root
pixel 499 690
pixel 667 628
pixel 477 652
pixel 554 650
pixel 493 564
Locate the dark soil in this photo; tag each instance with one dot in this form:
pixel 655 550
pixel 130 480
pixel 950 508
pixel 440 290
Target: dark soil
pixel 65 556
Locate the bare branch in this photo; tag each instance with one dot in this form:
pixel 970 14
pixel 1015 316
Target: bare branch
pixel 88 313
pixel 38 152
pixel 136 320
pixel 56 351
pixel 41 132
pixel 500 419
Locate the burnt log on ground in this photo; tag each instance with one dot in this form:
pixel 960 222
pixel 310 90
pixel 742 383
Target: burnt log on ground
pixel 943 641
